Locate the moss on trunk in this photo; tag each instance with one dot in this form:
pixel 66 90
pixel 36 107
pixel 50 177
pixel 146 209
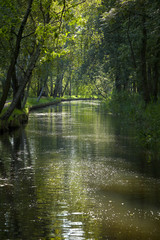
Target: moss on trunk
pixel 17 118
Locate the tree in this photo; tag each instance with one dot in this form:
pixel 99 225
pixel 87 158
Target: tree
pixel 129 28
pixel 41 30
pixel 11 69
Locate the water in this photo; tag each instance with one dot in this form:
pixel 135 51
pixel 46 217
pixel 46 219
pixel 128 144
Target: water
pixel 77 173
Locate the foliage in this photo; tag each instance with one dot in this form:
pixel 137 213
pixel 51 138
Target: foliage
pixel 145 119
pixel 125 103
pixel 148 126
pixel 37 29
pixel 79 97
pixel 84 48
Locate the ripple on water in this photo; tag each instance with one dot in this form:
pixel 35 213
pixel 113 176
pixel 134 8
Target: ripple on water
pixel 72 177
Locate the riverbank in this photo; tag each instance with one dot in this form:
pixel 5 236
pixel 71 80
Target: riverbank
pixel 44 102
pixel 17 118
pixel 32 103
pixel 20 117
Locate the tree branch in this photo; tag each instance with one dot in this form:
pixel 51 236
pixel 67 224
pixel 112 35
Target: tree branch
pixel 28 35
pixel 63 10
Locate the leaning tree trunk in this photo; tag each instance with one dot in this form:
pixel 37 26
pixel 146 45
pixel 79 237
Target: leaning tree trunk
pixel 15 87
pixel 15 56
pixel 56 88
pixel 58 85
pixel 21 88
pixel 66 85
pixel 26 95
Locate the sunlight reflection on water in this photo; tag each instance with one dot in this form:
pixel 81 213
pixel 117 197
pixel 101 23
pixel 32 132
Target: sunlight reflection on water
pixel 76 173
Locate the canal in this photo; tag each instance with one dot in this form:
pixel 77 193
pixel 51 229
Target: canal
pixel 74 173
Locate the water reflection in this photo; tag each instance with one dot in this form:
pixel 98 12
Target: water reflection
pixel 18 198
pixel 75 173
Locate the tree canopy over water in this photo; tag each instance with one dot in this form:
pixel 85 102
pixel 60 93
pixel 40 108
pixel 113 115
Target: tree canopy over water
pixel 79 47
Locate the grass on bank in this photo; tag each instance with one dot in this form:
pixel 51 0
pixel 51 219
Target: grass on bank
pixel 146 120
pixel 32 102
pixel 67 97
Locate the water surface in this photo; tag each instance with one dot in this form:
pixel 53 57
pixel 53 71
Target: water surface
pixel 77 173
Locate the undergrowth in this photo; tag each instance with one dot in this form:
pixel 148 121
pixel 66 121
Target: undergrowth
pixel 145 119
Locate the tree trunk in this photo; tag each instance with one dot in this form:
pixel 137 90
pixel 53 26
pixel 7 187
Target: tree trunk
pixel 117 79
pixel 39 97
pixel 149 77
pixel 26 95
pixel 42 89
pixel 155 86
pixel 15 87
pixel 156 73
pixel 21 88
pixel 60 85
pixel 51 84
pixel 70 88
pixel 132 54
pixel 131 46
pixel 66 85
pixel 56 87
pixel 145 87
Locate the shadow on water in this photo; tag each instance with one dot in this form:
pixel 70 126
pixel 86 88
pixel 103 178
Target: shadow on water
pixel 18 203
pixel 75 173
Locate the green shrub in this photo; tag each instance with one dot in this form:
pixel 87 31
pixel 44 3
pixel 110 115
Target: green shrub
pixel 124 103
pixel 148 126
pixel 146 120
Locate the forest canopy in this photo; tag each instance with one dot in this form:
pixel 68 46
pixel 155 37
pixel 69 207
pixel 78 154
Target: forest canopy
pixel 78 47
